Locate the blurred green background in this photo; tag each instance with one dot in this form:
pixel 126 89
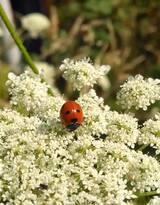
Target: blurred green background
pixel 122 33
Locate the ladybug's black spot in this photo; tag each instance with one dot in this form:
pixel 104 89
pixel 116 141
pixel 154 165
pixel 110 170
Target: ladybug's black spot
pixel 78 110
pixel 67 112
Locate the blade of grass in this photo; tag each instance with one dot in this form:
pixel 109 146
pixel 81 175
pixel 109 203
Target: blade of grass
pixel 17 40
pixel 19 43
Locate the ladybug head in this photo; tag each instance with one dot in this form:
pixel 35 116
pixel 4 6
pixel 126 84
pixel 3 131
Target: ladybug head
pixel 73 125
pixel 71 115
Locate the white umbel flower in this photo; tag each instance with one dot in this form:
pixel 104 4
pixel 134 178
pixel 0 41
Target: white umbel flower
pixel 139 93
pixel 94 113
pixel 143 175
pixel 43 163
pixel 82 73
pixel 150 133
pixel 35 23
pixel 30 96
pixel 122 128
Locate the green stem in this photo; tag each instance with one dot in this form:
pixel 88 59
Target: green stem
pixel 19 43
pixel 150 193
pixel 142 147
pixel 17 40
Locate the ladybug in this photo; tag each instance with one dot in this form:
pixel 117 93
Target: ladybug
pixel 71 115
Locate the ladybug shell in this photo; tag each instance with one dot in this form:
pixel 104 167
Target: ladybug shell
pixel 71 115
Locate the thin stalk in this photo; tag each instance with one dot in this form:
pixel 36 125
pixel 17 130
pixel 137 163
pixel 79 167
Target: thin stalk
pixel 17 40
pixel 142 147
pixel 19 43
pixel 143 194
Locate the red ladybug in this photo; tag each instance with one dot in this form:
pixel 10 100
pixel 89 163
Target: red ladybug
pixel 71 115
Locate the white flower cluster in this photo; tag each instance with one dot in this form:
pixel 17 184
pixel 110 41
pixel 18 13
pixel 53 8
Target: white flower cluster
pixel 143 175
pixel 122 128
pixel 142 170
pixel 35 23
pixel 139 93
pixel 82 73
pixel 30 96
pixel 43 163
pixel 150 133
pixel 94 113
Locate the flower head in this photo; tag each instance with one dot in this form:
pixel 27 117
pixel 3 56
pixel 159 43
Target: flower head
pixel 35 23
pixel 94 113
pixel 150 133
pixel 122 128
pixel 30 96
pixel 42 163
pixel 82 73
pixel 139 93
pixel 143 172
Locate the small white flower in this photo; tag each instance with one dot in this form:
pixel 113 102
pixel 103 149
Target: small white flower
pixel 139 93
pixel 122 128
pixel 35 23
pixel 82 73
